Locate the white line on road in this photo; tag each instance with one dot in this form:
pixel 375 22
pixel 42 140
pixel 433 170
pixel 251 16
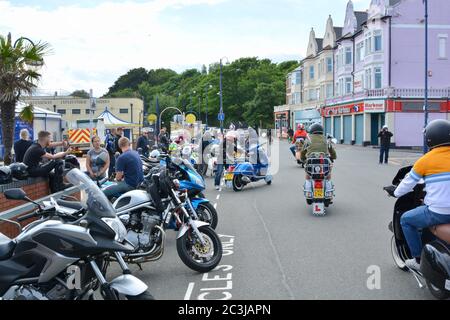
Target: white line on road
pixel 215 206
pixel 189 290
pixel 218 197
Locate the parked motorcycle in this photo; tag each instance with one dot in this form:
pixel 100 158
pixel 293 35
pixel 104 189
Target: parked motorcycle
pixel 239 175
pixel 435 260
pixel 320 192
pixel 53 260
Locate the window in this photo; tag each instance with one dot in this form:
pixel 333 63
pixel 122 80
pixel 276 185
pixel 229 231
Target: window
pixel 296 78
pixel 311 72
pixel 341 87
pixel 368 81
pixel 348 85
pixel 318 94
pixel 359 52
pixel 123 111
pixel 329 91
pixel 368 46
pixel 329 65
pixel 348 55
pixel 443 46
pixel 296 98
pixel 312 94
pixel 76 111
pixel 62 111
pixel 87 111
pixel 378 78
pixel 377 42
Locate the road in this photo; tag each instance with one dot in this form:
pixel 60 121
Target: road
pixel 276 249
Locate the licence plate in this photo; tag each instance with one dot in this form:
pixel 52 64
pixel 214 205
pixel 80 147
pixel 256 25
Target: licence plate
pixel 229 184
pixel 228 176
pixel 318 193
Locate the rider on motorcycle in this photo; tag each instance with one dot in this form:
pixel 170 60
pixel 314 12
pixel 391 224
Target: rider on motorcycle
pixel 434 169
pixel 301 133
pixel 317 143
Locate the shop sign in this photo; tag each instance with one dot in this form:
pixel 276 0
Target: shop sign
pixel 375 106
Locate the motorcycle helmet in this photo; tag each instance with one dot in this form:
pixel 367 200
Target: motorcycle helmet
pixel 5 175
pixel 101 159
pixel 155 154
pixel 19 171
pixel 71 162
pixel 437 133
pixel 316 128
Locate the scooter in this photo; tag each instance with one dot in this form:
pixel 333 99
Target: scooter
pixel 239 175
pixel 320 194
pixel 435 260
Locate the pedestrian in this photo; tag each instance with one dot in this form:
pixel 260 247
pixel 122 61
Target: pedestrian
pixel 21 146
pixel 129 173
pixel 290 133
pixel 97 160
pixel 269 136
pixel 226 154
pixel 35 155
pixel 164 140
pixel 143 143
pixel 385 144
pixel 111 148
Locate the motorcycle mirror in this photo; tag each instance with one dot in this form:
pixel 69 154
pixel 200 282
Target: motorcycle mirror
pixel 15 194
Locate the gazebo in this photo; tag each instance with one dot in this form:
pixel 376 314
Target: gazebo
pixel 107 121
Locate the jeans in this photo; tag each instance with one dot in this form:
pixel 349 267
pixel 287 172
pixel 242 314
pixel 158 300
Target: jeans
pixel 112 165
pixel 384 154
pixel 293 149
pixel 416 220
pixel 117 189
pixel 219 172
pixel 56 182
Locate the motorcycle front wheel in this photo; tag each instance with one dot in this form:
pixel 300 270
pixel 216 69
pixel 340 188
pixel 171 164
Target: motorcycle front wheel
pixel 438 293
pixel 196 256
pixel 207 213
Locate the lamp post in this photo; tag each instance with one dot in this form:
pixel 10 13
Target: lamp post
pixel 221 113
pixel 206 103
pixel 425 146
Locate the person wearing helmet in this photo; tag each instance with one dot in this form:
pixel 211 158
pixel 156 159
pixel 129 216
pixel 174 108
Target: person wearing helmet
pixel 299 134
pixel 434 169
pixel 317 143
pixel 97 160
pixel 385 137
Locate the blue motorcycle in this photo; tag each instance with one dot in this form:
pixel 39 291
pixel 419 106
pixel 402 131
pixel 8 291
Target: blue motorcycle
pixel 239 175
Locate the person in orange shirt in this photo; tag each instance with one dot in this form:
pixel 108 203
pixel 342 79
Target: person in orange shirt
pixel 301 133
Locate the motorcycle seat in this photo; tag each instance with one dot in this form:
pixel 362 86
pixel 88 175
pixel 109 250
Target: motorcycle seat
pixel 7 247
pixel 70 204
pixel 442 232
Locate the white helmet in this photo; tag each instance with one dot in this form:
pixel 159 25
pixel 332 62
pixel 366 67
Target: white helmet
pixel 155 154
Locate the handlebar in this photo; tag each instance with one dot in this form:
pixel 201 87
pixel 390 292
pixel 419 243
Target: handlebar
pixel 390 190
pixel 28 216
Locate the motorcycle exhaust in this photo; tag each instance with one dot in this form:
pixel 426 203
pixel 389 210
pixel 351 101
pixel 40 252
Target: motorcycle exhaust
pixel 149 256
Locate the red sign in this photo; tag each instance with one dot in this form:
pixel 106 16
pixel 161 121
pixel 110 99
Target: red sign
pixel 345 109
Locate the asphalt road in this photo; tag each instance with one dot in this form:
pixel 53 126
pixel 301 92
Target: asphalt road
pixel 276 249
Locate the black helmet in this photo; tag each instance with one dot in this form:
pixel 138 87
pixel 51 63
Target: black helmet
pixel 71 162
pixel 19 171
pixel 437 134
pixel 5 175
pixel 316 128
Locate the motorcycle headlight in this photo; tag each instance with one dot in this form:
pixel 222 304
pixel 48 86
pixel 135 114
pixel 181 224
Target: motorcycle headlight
pixel 117 226
pixel 317 169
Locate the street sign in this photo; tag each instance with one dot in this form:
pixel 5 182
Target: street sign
pixel 221 116
pixel 152 118
pixel 191 118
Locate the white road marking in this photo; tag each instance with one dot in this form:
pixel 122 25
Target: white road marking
pixel 218 197
pixel 215 205
pixel 189 290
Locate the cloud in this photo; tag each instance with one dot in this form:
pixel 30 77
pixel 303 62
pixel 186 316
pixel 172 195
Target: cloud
pixel 93 45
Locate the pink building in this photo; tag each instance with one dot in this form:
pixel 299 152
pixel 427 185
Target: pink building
pixel 379 72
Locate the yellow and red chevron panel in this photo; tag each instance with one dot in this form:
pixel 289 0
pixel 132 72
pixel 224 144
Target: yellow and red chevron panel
pixel 80 135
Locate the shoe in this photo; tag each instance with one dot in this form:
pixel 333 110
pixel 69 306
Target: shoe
pixel 217 188
pixel 413 265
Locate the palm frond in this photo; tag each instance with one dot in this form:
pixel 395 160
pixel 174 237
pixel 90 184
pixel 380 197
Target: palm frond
pixel 27 114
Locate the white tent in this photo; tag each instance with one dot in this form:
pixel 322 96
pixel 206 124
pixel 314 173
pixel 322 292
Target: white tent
pixel 110 121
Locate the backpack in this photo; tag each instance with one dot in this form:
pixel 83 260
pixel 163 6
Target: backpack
pixel 110 144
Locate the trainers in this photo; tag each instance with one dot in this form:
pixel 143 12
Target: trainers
pixel 217 188
pixel 413 265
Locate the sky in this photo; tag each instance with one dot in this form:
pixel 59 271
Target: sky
pixel 95 41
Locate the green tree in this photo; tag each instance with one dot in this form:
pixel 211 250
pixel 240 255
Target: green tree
pixel 19 66
pixel 80 94
pixel 130 80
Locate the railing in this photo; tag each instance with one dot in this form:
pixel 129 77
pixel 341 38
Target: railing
pixel 392 93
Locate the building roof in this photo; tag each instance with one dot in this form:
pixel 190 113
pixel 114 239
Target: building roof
pixel 319 44
pixel 338 31
pixel 361 18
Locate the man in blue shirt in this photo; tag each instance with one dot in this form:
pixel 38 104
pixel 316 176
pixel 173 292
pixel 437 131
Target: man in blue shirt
pixel 129 173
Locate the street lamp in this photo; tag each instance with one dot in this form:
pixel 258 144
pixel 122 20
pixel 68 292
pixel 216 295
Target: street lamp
pixel 425 146
pixel 221 113
pixel 206 102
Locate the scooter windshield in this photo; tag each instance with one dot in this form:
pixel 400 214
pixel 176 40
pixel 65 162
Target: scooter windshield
pixel 96 201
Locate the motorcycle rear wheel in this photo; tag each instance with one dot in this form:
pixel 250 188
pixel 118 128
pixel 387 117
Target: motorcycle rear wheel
pixel 207 213
pixel 438 293
pixel 238 185
pixel 186 252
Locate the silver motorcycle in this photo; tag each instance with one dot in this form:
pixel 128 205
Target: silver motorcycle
pixel 54 260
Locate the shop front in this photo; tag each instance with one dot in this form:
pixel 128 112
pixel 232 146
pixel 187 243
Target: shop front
pixel 282 123
pixel 307 117
pixel 345 122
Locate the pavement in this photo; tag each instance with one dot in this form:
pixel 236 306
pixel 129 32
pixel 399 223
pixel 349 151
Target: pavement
pixel 274 248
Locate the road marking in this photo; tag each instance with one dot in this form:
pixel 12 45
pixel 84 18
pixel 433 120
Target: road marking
pixel 218 197
pixel 190 288
pixel 215 205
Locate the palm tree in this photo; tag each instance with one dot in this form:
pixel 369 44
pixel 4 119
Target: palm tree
pixel 19 65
